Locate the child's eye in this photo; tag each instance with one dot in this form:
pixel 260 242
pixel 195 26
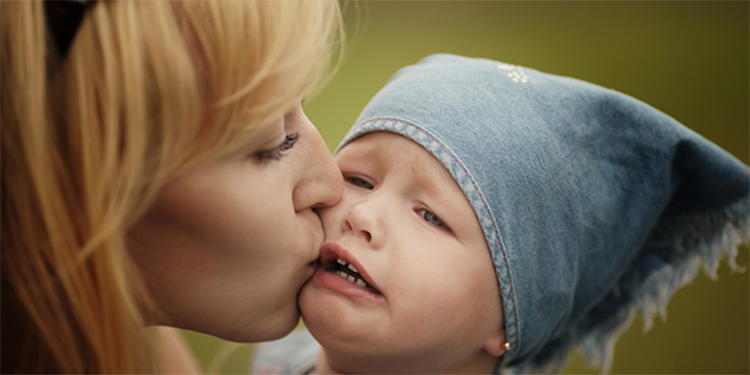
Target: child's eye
pixel 358 182
pixel 432 219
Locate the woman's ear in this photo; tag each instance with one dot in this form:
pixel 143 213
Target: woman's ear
pixel 495 344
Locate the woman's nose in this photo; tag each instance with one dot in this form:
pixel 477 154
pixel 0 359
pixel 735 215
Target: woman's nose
pixel 321 184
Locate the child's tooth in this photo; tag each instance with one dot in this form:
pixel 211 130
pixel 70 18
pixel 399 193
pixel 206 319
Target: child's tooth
pixel 343 274
pixel 351 278
pixel 360 283
pixel 340 261
pixel 351 267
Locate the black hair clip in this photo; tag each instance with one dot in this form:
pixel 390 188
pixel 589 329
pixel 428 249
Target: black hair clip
pixel 63 20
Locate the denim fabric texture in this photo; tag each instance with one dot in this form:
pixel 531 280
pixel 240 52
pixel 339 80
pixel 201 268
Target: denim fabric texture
pixel 594 205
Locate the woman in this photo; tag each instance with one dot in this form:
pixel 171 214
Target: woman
pixel 158 169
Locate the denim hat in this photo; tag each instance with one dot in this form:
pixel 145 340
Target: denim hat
pixel 594 205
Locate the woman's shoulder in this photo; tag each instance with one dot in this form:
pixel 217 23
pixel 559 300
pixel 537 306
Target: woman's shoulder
pixel 294 354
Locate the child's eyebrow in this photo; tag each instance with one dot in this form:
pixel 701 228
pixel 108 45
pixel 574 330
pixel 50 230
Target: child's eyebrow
pixel 429 182
pixel 424 177
pixel 359 157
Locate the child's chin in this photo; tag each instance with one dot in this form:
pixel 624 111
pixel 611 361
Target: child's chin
pixel 318 309
pixel 339 339
pixel 328 319
pixel 311 306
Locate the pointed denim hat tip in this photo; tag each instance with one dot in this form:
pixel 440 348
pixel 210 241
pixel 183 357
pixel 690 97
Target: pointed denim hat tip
pixel 594 205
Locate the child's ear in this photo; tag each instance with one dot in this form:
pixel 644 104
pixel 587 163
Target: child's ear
pixel 495 344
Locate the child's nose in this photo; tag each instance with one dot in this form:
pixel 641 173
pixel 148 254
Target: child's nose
pixel 362 221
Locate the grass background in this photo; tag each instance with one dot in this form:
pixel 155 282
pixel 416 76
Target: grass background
pixel 689 59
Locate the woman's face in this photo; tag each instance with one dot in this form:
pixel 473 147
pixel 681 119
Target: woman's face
pixel 227 246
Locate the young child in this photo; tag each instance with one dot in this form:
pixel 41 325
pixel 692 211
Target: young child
pixel 469 180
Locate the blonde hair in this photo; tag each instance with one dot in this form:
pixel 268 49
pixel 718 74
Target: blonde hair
pixel 147 90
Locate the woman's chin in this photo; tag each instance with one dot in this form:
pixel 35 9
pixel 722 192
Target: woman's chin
pixel 250 329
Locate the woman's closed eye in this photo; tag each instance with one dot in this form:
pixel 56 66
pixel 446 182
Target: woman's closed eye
pixel 279 151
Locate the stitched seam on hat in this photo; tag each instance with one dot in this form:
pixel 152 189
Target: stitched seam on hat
pixel 357 131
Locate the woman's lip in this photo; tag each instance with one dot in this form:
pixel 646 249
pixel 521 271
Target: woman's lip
pixel 311 268
pixel 330 251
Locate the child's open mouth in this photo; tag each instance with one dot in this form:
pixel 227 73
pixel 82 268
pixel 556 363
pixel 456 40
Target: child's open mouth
pixel 337 261
pixel 348 271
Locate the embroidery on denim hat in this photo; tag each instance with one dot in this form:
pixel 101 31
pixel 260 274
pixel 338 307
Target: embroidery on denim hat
pixel 467 184
pixel 691 235
pixel 515 72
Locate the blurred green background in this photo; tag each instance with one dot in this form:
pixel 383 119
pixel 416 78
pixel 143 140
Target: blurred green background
pixel 689 59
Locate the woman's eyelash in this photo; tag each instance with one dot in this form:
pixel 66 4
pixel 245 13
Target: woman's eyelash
pixel 278 152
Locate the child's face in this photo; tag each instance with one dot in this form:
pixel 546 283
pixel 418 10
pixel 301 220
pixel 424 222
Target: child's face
pixel 409 230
